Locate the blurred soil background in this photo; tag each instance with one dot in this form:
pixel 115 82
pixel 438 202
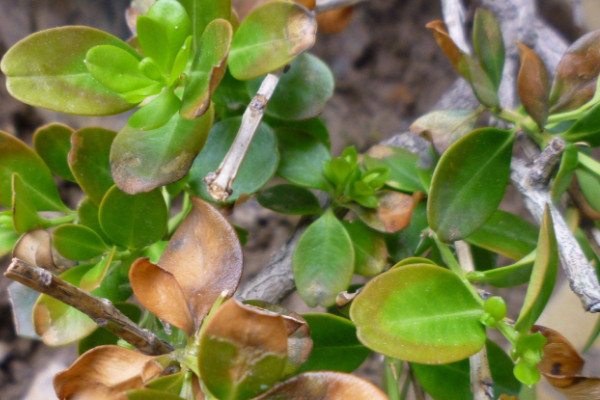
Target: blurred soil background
pixel 388 71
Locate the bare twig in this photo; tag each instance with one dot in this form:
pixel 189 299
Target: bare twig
pixel 100 310
pixel 455 13
pixel 219 182
pixel 328 5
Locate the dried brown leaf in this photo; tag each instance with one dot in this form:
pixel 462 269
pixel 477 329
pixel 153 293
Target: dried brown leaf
pixel 158 291
pixel 450 49
pixel 335 21
pixel 533 85
pixel 35 248
pixel 324 386
pixel 105 372
pixel 393 213
pixel 205 256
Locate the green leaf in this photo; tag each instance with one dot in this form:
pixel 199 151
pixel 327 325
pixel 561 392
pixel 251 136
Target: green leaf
pixel 419 313
pixel 151 394
pixel 302 158
pixel 323 261
pixel 119 71
pixel 402 165
pixel 133 221
pixel 452 381
pixel 586 128
pixel 78 242
pixel 208 68
pixel 203 12
pixel 162 33
pixel 335 346
pixel 405 243
pixel 589 183
pixel 314 127
pixel 370 250
pixel 469 183
pixel 508 276
pixel 542 278
pixel 258 167
pixel 302 91
pixel 507 234
pixel 482 86
pixel 568 163
pixel 143 160
pixel 169 383
pixel 89 161
pixel 25 217
pixel 157 112
pixel 53 142
pixel 87 214
pixel 533 85
pixel 22 300
pixel 488 45
pixel 47 69
pixel 289 199
pixel 271 36
pixel 17 157
pixel 8 239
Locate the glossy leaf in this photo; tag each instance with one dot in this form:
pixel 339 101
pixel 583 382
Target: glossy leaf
pixel 323 261
pixel 393 212
pixel 53 142
pixel 401 163
pixel 576 74
pixel 489 45
pixel 269 38
pixel 89 161
pixel 302 158
pixel 158 291
pixel 370 250
pixel 78 242
pixel 289 199
pixel 542 278
pixel 469 183
pixel 242 351
pixel 25 217
pixel 203 12
pixel 22 300
pixel 104 372
pixel 169 383
pixel 208 68
pixel 47 69
pixel 258 166
pixel 314 127
pixel 205 256
pixel 157 112
pixel 133 221
pixel 533 85
pixel 452 381
pixel 444 127
pixel 302 91
pixel 585 129
pixel 151 394
pixel 8 238
pixel 508 276
pixel 143 160
pixel 507 234
pixel 17 157
pixel 87 214
pixel 589 183
pixel 324 385
pixel 410 241
pixel 335 346
pixel 419 313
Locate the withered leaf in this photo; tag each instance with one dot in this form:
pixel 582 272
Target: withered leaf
pixel 158 291
pixel 335 21
pixel 450 49
pixel 205 256
pixel 35 248
pixel 533 85
pixel 393 213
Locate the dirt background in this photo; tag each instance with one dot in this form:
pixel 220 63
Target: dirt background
pixel 388 70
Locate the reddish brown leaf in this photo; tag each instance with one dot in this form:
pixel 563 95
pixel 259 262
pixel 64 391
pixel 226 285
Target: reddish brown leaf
pixel 335 21
pixel 105 372
pixel 450 49
pixel 393 213
pixel 533 85
pixel 158 291
pixel 576 74
pixel 324 386
pixel 205 256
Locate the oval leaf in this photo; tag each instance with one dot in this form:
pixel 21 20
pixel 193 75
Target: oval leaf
pixel 469 183
pixel 401 163
pixel 370 250
pixel 419 313
pixel 270 37
pixel 143 160
pixel 242 351
pixel 323 261
pixel 53 142
pixel 585 128
pixel 533 85
pixel 47 69
pixel 508 276
pixel 393 213
pixel 205 256
pixel 133 221
pixel 488 44
pixel 289 199
pixel 78 242
pixel 444 127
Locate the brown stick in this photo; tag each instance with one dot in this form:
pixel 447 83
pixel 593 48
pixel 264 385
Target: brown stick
pixel 102 311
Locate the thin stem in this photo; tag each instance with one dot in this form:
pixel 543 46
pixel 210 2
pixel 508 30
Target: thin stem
pixel 508 332
pixel 526 123
pixel 573 114
pixel 391 377
pixel 102 311
pixel 49 223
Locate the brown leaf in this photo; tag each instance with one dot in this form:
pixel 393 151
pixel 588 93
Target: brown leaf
pixel 35 248
pixel 507 397
pixel 450 49
pixel 105 372
pixel 561 366
pixel 393 213
pixel 205 256
pixel 324 386
pixel 335 21
pixel 244 7
pixel 533 85
pixel 158 291
pixel 576 74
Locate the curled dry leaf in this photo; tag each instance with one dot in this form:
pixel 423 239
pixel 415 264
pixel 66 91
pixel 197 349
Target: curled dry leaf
pixel 105 373
pixel 160 293
pixel 533 85
pixel 243 351
pixel 561 366
pixel 324 386
pixel 450 49
pixel 205 257
pixel 35 248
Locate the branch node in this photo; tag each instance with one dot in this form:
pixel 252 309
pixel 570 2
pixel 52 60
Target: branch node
pixel 545 163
